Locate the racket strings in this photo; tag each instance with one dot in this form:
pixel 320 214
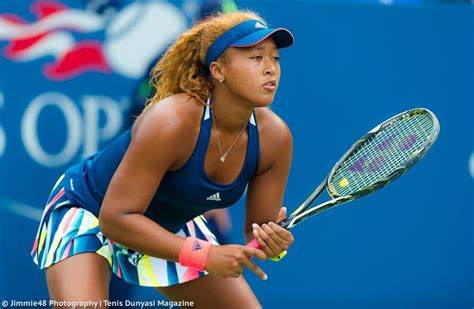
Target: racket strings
pixel 403 155
pixel 382 154
pixel 370 163
pixel 394 154
pixel 419 129
pixel 382 162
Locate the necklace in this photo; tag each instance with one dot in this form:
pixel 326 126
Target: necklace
pixel 224 155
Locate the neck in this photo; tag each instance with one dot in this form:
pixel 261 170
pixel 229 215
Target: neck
pixel 231 114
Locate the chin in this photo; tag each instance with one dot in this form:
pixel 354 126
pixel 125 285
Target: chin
pixel 263 101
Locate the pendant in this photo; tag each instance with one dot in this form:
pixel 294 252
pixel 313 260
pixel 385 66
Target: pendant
pixel 222 158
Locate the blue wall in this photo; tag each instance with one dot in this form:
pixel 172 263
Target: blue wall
pixel 409 245
pixel 353 65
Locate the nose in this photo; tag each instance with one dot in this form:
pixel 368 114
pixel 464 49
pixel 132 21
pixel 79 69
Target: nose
pixel 270 68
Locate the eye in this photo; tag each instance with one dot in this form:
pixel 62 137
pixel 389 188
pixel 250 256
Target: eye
pixel 277 58
pixel 257 57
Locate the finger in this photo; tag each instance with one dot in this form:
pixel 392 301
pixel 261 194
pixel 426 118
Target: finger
pixel 255 268
pixel 271 239
pixel 236 269
pixel 234 274
pixel 281 214
pixel 281 232
pixel 263 245
pixel 241 270
pixel 262 238
pixel 272 248
pixel 256 235
pixel 281 236
pixel 250 252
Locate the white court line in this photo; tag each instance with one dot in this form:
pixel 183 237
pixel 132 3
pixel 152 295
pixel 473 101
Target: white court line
pixel 20 209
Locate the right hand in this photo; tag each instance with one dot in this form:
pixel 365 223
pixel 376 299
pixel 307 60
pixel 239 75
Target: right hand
pixel 228 261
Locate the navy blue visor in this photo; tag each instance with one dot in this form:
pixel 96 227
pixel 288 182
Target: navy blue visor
pixel 247 34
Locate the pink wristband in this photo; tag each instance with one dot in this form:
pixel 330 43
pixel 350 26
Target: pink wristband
pixel 194 253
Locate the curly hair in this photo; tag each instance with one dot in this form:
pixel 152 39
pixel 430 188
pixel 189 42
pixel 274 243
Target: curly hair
pixel 182 68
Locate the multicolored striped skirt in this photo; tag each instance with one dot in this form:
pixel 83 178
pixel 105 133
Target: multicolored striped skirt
pixel 66 229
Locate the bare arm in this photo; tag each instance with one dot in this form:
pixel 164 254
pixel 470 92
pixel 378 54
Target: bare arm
pixel 135 182
pixel 265 193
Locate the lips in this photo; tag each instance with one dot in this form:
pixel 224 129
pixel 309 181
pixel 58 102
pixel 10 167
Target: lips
pixel 270 85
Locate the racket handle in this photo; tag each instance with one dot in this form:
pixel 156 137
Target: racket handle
pixel 254 244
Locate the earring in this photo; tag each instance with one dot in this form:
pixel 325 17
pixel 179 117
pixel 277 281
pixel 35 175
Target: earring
pixel 221 80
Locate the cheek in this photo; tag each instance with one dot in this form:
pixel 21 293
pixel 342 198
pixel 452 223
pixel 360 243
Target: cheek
pixel 277 70
pixel 243 77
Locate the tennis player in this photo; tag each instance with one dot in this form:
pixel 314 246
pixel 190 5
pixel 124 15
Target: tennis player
pixel 135 207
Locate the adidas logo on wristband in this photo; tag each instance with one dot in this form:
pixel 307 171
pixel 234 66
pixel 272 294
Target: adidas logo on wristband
pixel 196 246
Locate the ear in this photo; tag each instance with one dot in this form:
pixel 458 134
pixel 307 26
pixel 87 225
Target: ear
pixel 217 71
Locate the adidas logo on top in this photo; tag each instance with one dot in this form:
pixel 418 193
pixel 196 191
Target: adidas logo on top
pixel 259 25
pixel 215 197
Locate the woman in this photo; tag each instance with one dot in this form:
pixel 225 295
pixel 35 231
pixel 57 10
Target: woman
pixel 195 147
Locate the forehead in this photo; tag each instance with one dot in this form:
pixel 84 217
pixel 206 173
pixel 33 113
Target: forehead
pixel 267 44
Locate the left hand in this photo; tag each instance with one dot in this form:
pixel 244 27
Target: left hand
pixel 273 238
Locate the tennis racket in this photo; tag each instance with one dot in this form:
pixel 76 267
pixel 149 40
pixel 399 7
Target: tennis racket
pixel 375 160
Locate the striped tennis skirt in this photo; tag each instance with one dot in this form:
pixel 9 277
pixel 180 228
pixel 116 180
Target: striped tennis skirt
pixel 66 229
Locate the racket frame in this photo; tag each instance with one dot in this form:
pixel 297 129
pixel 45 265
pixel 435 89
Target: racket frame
pixel 303 213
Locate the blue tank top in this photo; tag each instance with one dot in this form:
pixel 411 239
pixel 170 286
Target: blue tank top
pixel 182 194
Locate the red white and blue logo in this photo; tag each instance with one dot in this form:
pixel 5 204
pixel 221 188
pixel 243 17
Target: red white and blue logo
pixel 72 40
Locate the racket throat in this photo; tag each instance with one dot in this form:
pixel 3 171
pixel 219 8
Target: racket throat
pixel 292 221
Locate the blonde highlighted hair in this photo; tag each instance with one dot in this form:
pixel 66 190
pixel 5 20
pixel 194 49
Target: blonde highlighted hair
pixel 182 68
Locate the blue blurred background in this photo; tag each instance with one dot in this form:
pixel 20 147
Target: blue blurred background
pixel 68 87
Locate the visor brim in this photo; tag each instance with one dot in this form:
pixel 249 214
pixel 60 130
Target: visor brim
pixel 283 38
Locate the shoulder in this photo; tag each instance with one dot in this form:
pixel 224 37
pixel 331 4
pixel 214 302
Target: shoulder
pixel 276 141
pixel 169 126
pixel 272 129
pixel 176 112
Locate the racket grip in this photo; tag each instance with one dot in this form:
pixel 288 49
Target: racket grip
pixel 254 244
